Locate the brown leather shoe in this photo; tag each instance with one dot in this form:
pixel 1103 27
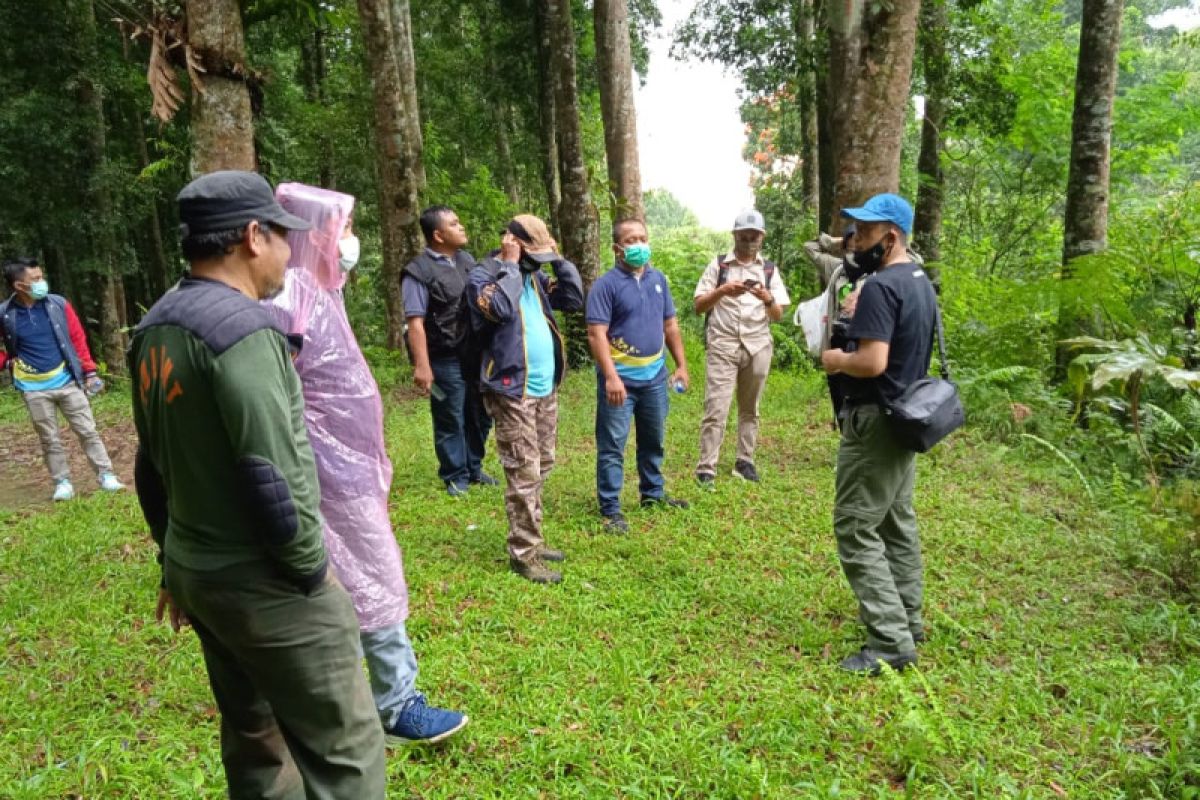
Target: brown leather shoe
pixel 550 554
pixel 534 569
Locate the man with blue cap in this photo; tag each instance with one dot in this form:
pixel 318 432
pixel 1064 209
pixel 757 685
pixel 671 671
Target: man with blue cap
pixel 889 344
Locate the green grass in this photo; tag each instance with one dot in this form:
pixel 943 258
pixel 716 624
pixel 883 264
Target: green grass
pixel 694 658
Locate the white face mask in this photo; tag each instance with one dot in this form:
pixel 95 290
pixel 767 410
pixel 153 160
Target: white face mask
pixel 348 250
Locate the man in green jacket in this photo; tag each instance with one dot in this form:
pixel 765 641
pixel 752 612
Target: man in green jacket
pixel 228 486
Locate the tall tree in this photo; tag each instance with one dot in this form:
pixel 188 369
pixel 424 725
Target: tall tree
pixel 871 55
pixel 577 216
pixel 614 63
pixel 104 245
pixel 1085 225
pixel 935 63
pixel 222 125
pixel 806 99
pixel 398 181
pixel 548 116
pixel 410 108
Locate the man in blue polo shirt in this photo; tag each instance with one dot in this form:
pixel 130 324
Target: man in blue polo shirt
pixel 630 316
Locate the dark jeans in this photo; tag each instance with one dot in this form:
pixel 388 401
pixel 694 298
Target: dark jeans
pixel 460 423
pixel 647 407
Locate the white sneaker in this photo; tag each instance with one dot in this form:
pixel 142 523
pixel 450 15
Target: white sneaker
pixel 109 482
pixel 63 490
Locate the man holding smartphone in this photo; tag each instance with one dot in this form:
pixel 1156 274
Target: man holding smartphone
pixel 741 296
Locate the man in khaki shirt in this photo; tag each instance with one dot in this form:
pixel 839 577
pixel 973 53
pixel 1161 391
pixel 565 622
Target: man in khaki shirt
pixel 743 294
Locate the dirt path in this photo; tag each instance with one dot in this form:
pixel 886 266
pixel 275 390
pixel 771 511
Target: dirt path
pixel 26 482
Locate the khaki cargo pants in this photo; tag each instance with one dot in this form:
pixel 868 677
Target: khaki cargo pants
pixel 43 412
pixel 297 717
pixel 876 529
pixel 526 431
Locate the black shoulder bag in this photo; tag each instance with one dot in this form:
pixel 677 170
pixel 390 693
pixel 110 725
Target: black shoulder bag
pixel 929 409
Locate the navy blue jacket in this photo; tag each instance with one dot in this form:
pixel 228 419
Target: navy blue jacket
pixel 494 296
pixel 68 333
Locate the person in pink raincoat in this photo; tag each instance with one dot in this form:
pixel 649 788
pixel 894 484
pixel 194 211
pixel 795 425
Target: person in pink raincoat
pixel 344 416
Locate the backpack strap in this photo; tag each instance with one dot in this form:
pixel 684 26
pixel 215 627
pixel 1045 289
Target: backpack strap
pixel 768 272
pixel 722 271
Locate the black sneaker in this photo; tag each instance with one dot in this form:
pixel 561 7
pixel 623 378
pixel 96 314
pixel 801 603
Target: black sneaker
pixel 664 502
pixel 707 481
pixel 868 661
pixel 483 479
pixel 550 554
pixel 454 490
pixel 745 470
pixel 919 636
pixel 615 524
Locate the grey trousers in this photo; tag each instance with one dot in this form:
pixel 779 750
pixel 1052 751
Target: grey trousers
pixel 876 529
pixel 43 411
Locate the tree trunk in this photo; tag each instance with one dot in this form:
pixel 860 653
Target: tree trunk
pixel 614 63
pixel 806 98
pixel 398 187
pixel 112 337
pixel 501 115
pixel 314 71
pixel 547 117
pixel 410 107
pixel 871 48
pixel 823 58
pixel 927 226
pixel 222 127
pixel 1085 225
pixel 578 219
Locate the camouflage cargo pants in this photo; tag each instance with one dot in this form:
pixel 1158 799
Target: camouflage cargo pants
pixel 526 429
pixel 876 529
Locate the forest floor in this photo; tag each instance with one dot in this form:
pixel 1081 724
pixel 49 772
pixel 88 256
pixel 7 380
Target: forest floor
pixel 696 657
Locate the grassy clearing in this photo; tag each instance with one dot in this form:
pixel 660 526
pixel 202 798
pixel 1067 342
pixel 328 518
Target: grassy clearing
pixel 694 658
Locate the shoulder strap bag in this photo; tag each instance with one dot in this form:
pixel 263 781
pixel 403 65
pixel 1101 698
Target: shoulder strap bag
pixel 929 409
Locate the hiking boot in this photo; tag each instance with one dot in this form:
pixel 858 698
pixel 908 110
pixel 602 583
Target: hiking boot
pixel 550 554
pixel 615 524
pixel 454 490
pixel 534 570
pixel 868 661
pixel 706 481
pixel 745 470
pixel 63 490
pixel 483 479
pixel 664 502
pixel 110 483
pixel 420 723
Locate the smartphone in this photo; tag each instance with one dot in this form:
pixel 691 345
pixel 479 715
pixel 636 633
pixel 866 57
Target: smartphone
pixel 751 284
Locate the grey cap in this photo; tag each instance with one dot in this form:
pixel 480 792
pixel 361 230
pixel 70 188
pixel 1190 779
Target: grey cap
pixel 230 199
pixel 750 220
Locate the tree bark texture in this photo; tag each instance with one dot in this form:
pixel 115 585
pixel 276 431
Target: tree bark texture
pixel 398 187
pixel 222 127
pixel 927 226
pixel 112 337
pixel 406 63
pixel 871 49
pixel 578 219
pixel 1085 224
pixel 614 63
pixel 547 116
pixel 806 99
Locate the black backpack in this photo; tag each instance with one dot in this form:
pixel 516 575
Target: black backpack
pixel 723 278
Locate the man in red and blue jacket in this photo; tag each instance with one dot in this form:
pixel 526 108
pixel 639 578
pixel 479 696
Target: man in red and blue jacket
pixel 46 350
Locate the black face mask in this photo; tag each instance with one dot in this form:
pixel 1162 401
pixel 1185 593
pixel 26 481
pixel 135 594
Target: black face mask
pixel 865 262
pixel 528 265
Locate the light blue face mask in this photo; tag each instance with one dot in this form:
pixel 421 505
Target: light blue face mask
pixel 39 289
pixel 636 255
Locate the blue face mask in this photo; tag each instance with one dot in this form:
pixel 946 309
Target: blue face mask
pixel 636 255
pixel 39 289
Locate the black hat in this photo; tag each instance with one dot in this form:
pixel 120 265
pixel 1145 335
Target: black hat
pixel 230 199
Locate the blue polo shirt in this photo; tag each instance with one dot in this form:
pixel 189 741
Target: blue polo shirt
pixel 39 363
pixel 634 307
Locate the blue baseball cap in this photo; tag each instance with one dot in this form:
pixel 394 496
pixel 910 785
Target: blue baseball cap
pixel 884 208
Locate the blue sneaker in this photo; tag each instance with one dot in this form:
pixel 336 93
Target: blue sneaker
pixel 110 483
pixel 63 490
pixel 420 723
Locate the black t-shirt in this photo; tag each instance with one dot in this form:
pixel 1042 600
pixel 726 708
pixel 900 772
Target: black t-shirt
pixel 897 305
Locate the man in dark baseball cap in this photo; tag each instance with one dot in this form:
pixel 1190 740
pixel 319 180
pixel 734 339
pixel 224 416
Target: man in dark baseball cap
pixel 231 199
pixel 228 486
